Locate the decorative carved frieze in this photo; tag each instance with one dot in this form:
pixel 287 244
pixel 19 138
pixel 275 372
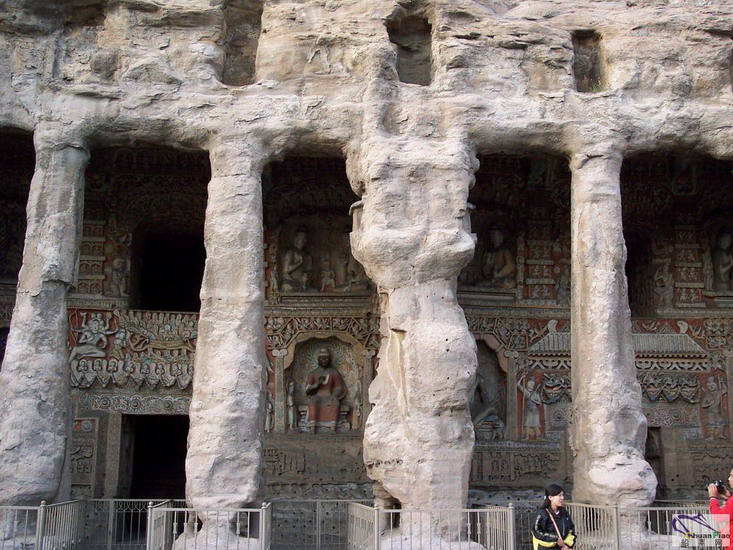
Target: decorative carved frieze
pixel 134 404
pixel 282 330
pixel 669 352
pixel 512 334
pixel 131 349
pixel 680 415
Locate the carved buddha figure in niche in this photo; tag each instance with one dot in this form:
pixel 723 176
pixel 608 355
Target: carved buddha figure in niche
pixel 487 402
pixel 297 264
pixel 723 261
pixel 498 266
pixel 325 389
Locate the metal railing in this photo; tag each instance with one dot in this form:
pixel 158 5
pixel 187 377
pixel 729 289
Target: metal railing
pixel 500 533
pixel 362 527
pixel 595 526
pixel 324 525
pixel 654 526
pixel 60 526
pixel 615 528
pixel 316 524
pixel 18 527
pixel 523 516
pixel 374 528
pixel 116 524
pixel 222 529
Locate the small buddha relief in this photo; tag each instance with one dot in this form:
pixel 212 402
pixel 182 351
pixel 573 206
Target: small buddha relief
pixel 297 264
pixel 498 264
pixel 324 388
pixel 494 266
pixel 316 258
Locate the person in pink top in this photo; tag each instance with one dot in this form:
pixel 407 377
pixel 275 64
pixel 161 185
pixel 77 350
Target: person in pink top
pixel 727 507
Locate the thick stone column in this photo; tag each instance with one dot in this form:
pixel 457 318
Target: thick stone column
pixel 608 429
pixel 224 461
pixel 35 409
pixel 412 237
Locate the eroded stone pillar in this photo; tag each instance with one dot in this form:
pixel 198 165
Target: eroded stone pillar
pixel 35 408
pixel 608 429
pixel 224 460
pixel 412 237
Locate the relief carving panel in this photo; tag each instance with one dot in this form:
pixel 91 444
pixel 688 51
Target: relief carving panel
pixel 84 457
pixel 131 349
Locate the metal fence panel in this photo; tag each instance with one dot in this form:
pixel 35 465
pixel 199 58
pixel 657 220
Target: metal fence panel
pixel 499 530
pixel 490 528
pixel 116 524
pixel 428 529
pixel 294 525
pixel 310 524
pixel 595 526
pixel 362 528
pixel 229 529
pixel 524 512
pixel 652 526
pixel 322 525
pixel 18 526
pixel 62 527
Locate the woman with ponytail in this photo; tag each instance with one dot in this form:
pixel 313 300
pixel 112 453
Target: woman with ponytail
pixel 552 526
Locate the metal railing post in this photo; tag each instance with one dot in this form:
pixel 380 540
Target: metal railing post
pixel 318 525
pixel 110 521
pixel 149 533
pixel 377 530
pixel 263 541
pixel 617 528
pixel 512 533
pixel 41 525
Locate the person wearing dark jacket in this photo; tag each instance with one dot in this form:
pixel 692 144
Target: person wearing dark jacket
pixel 552 526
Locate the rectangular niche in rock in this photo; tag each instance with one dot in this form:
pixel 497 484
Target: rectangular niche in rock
pixel 307 226
pixel 143 240
pixel 17 162
pixel 678 229
pixel 241 34
pixel 589 63
pixel 411 33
